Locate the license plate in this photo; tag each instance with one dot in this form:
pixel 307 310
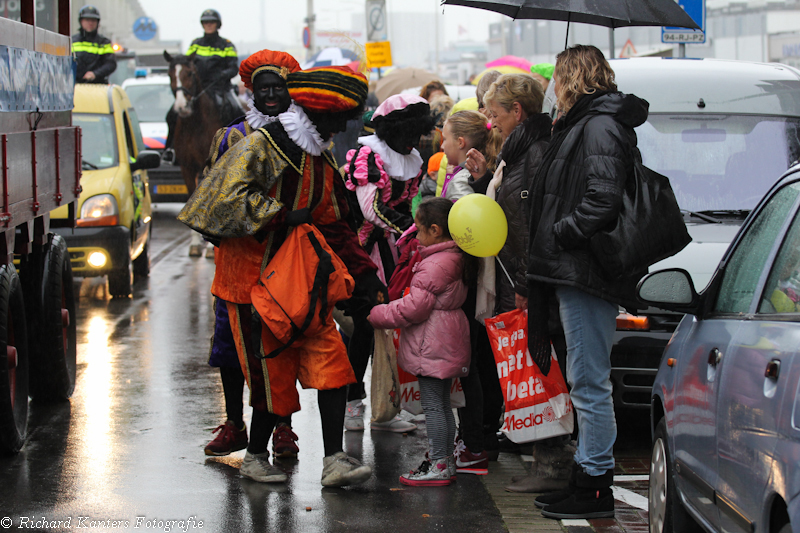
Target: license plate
pixel 171 189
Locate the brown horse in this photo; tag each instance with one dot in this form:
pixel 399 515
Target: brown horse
pixel 198 120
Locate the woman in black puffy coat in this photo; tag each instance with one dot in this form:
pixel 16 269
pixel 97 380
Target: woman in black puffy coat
pixel 578 191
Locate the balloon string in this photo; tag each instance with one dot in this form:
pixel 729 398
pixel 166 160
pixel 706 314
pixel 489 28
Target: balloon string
pixel 513 285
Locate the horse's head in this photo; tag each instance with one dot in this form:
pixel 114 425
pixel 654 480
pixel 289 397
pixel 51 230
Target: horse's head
pixel 184 82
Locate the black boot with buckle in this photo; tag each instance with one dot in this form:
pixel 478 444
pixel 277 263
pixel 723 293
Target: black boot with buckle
pixel 592 498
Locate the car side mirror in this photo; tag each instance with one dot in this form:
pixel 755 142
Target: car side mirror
pixel 146 159
pixel 671 289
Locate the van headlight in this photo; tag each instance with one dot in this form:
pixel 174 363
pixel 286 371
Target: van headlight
pixel 100 210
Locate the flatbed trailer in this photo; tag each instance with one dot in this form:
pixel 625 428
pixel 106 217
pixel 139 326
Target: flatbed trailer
pixel 40 170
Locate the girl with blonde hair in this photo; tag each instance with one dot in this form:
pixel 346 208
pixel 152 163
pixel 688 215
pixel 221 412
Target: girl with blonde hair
pixel 462 132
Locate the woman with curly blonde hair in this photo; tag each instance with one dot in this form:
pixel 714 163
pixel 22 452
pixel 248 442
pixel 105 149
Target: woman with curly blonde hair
pixel 577 192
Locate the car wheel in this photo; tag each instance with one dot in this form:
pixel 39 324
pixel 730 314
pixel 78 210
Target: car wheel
pixel 13 362
pixel 666 512
pixel 120 282
pixel 141 265
pixel 53 349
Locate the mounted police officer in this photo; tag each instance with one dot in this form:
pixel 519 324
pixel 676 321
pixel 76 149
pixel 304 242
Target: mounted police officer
pixel 216 63
pixel 93 52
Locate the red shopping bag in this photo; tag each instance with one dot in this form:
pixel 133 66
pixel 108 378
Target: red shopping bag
pixel 537 406
pixel 409 387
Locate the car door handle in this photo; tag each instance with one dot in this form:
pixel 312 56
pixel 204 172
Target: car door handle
pixel 714 357
pixel 773 369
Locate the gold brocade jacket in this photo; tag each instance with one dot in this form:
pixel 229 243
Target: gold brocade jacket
pixel 233 200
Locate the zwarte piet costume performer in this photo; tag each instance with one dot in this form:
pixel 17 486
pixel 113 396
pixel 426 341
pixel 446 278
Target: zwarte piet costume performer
pixel 277 178
pixel 383 175
pixel 265 74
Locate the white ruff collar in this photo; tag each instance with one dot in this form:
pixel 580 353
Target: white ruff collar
pixel 398 166
pixel 301 130
pixel 256 118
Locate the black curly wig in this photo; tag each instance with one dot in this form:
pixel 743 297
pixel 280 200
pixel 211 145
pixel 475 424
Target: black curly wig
pixel 411 122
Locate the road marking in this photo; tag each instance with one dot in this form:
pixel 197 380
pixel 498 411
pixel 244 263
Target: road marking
pixel 644 477
pixel 630 497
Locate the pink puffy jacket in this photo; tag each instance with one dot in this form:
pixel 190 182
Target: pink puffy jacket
pixel 435 337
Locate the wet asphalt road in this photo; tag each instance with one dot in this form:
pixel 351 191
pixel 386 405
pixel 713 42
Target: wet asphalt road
pixel 126 453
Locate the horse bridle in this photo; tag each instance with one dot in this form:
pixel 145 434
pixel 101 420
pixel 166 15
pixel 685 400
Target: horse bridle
pixel 192 97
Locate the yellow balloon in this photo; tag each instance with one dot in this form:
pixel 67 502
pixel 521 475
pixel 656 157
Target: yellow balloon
pixel 478 225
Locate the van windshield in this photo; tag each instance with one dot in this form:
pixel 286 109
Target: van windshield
pixel 151 101
pixel 719 162
pixel 99 142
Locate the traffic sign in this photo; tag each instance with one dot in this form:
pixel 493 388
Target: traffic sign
pixel 144 28
pixel 377 28
pixel 695 9
pixel 379 54
pixel 628 50
pixel 306 37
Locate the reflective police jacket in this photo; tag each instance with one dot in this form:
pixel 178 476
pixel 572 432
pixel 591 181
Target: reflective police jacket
pixel 93 53
pixel 216 61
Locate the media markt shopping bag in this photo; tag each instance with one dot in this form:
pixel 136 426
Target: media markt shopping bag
pixel 537 406
pixel 409 388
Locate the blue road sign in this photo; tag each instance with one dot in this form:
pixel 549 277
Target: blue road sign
pixel 144 28
pixel 695 9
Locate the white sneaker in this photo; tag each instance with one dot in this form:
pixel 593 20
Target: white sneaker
pixel 429 474
pixel 395 425
pixel 354 416
pixel 258 468
pixel 340 470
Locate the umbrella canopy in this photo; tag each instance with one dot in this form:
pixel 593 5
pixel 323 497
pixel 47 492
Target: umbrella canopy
pixel 511 61
pixel 402 78
pixel 610 13
pixel 502 69
pixel 331 57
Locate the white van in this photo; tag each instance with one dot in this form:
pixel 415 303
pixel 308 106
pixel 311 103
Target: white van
pixel 723 132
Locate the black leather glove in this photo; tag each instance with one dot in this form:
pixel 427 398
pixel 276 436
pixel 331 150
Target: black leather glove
pixel 299 216
pixel 368 292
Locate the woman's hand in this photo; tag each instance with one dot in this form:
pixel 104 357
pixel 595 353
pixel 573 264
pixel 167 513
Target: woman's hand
pixel 521 301
pixel 475 163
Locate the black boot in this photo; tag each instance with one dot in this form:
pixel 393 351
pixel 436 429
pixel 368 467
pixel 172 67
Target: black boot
pixel 554 497
pixel 592 499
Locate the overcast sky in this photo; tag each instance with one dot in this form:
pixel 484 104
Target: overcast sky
pixel 284 19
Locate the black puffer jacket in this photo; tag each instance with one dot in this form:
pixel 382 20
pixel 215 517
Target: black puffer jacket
pixel 522 153
pixel 582 193
pixel 216 61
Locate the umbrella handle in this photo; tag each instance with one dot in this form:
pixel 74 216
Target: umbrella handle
pixel 566 39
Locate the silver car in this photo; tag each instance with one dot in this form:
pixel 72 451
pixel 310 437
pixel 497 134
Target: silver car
pixel 725 404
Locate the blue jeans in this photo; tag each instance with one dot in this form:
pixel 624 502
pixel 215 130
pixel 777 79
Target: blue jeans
pixel 589 324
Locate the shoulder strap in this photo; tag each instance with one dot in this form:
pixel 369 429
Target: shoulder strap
pixel 319 291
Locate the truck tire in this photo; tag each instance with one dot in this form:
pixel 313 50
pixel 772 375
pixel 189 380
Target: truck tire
pixel 13 362
pixel 53 349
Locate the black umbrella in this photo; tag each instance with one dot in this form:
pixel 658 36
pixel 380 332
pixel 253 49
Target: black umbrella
pixel 609 13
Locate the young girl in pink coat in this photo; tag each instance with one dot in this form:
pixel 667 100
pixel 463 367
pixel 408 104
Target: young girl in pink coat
pixel 434 344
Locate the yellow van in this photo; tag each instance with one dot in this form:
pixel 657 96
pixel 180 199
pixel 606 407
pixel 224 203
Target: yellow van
pixel 112 230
